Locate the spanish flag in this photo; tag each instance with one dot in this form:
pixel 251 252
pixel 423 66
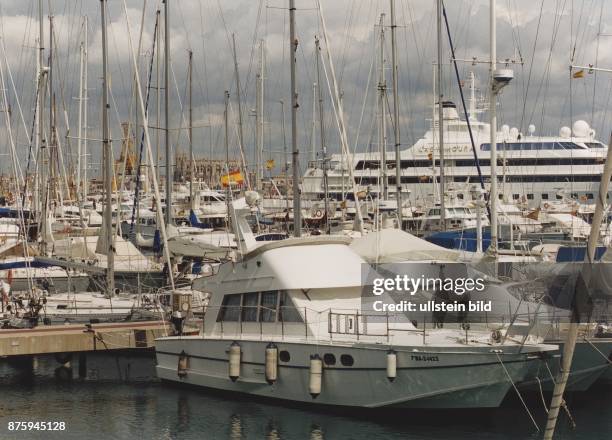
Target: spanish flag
pixel 578 74
pixel 270 164
pixel 233 178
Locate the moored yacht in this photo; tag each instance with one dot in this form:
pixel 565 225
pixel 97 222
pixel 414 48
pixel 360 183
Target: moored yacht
pixel 285 321
pixel 532 169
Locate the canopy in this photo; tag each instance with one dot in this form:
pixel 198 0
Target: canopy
pixel 395 246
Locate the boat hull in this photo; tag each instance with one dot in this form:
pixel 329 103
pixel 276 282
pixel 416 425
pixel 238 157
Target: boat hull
pixel 441 377
pixel 588 366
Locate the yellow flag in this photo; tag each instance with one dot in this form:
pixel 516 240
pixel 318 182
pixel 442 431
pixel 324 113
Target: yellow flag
pixel 579 74
pixel 270 164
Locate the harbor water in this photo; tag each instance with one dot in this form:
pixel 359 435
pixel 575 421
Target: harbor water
pixel 120 398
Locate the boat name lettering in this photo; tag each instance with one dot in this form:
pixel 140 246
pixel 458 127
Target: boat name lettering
pixel 423 358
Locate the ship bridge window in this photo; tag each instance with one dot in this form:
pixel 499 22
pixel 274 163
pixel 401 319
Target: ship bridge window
pixel 594 144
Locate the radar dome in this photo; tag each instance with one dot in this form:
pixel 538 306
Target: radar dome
pixel 565 132
pixel 252 198
pixel 531 129
pixel 581 129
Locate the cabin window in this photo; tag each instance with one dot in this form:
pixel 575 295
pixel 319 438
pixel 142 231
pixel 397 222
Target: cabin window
pixel 529 196
pixel 287 311
pixel 268 306
pixel 515 196
pixel 284 356
pixel 230 308
pixel 249 306
pixel 559 196
pixel 544 196
pixel 589 196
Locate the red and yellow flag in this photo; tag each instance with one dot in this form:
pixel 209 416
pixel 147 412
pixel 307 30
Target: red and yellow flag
pixel 233 178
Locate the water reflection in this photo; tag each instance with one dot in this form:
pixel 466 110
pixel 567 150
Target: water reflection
pixel 316 433
pixel 235 427
pixel 110 407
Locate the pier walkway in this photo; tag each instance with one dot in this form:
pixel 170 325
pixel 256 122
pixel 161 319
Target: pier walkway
pixel 79 338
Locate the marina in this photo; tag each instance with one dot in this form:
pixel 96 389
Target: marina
pixel 295 219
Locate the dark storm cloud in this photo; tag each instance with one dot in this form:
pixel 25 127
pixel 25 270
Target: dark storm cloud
pixel 543 35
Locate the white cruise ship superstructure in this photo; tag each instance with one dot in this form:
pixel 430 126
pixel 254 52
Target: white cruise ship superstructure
pixel 531 169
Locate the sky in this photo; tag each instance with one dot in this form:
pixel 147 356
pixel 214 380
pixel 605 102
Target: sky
pixel 538 38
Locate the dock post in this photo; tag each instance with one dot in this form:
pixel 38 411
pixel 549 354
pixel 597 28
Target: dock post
pixel 82 366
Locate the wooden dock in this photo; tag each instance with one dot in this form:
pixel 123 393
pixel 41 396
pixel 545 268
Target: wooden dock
pixel 81 338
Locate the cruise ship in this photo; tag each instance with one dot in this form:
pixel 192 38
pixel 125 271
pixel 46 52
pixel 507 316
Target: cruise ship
pixel 533 170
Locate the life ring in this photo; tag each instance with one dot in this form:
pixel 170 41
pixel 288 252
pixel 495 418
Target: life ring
pixel 546 205
pixel 318 213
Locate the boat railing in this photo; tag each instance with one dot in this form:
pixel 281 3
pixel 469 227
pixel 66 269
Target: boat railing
pixel 341 324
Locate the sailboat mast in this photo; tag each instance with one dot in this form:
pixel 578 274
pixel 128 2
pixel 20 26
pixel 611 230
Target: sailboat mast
pixel 259 121
pixel 158 90
pixel 85 104
pixel 322 136
pixel 493 140
pixel 293 44
pixel 586 274
pixel 169 176
pixel 80 123
pixel 313 130
pixel 440 114
pixel 238 100
pixel 108 164
pixel 382 128
pixel 226 128
pixel 396 126
pixel 191 159
pixel 52 139
pixel 40 101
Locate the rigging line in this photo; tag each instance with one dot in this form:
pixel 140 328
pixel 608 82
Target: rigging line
pixel 557 16
pixel 573 49
pixel 467 117
pixel 16 171
pixel 142 138
pixel 597 59
pixel 206 91
pixel 10 75
pixel 347 34
pixel 365 99
pixel 62 86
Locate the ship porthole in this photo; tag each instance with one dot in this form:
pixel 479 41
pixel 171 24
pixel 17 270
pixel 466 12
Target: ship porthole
pixel 347 360
pixel 284 356
pixel 329 359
